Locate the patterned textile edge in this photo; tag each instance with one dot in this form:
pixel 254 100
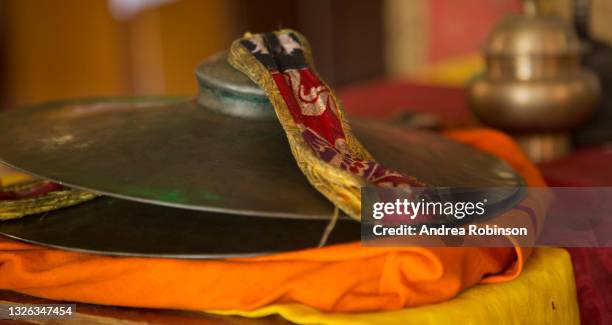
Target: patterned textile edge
pixel 48 201
pixel 342 186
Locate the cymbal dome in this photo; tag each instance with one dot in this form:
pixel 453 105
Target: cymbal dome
pixel 226 90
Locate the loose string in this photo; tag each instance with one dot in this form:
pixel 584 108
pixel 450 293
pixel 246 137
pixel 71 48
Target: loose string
pixel 330 227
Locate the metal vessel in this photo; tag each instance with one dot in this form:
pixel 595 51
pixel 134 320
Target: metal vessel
pixel 534 86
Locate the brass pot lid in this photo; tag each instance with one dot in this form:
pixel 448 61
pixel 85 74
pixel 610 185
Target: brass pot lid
pixel 178 153
pixel 532 35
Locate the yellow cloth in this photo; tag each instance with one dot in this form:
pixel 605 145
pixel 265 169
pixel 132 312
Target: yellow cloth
pixel 544 293
pixel 453 72
pixel 10 177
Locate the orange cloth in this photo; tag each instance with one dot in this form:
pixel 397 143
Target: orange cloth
pixel 340 278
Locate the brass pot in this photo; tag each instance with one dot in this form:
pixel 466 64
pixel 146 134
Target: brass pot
pixel 534 86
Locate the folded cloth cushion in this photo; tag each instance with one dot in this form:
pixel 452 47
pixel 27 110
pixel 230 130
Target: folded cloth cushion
pixel 339 278
pixel 543 294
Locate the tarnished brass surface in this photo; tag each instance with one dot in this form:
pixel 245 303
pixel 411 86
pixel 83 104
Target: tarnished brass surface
pixel 533 84
pixel 225 90
pixel 531 34
pixel 176 153
pixel 537 106
pixel 183 177
pixel 543 146
pixel 230 156
pixel 120 227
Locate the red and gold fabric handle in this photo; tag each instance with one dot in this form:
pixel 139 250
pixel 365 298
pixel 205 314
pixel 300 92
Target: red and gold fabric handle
pixel 325 149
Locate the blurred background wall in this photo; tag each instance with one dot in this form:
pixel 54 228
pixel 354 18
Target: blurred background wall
pixel 53 49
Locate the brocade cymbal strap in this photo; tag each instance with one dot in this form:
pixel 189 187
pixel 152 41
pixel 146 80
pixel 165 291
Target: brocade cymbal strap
pixel 38 196
pixel 332 159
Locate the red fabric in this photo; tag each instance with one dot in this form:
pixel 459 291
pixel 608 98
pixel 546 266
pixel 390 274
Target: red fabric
pixel 586 167
pixel 309 102
pixel 388 98
pixel 30 192
pixel 314 110
pixel 593 272
pixel 592 266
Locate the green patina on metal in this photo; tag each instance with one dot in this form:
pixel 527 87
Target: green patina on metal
pixel 225 94
pixel 211 196
pixel 176 196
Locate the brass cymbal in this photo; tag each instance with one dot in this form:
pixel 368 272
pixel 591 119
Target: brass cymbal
pixel 125 228
pixel 221 157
